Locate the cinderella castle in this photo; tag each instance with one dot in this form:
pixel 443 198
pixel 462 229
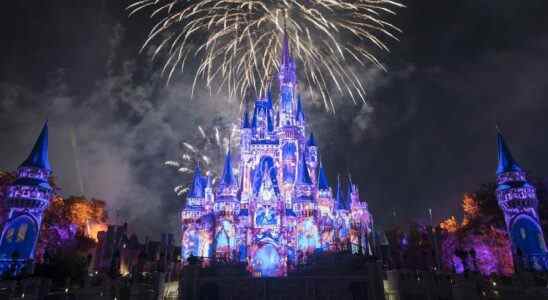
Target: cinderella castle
pixel 281 208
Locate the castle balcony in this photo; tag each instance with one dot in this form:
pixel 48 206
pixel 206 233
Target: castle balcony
pixel 518 193
pixel 509 177
pixel 31 197
pixel 33 173
pixel 290 133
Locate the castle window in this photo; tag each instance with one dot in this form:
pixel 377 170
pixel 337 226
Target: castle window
pixel 9 234
pixel 22 232
pixel 523 233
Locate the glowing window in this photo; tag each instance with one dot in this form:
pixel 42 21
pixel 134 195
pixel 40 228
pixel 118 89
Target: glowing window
pixel 523 233
pixel 22 232
pixel 9 234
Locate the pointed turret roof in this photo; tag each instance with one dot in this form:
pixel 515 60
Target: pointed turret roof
pixel 228 178
pixel 339 201
pixel 38 157
pixel 311 141
pixel 198 184
pixel 323 184
pixel 286 55
pixel 300 113
pixel 287 68
pixel 506 161
pixel 303 177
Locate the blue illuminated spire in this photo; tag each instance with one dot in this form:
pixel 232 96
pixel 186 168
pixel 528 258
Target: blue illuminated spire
pixel 323 184
pixel 300 113
pixel 349 195
pixel 228 178
pixel 286 56
pixel 287 69
pixel 506 161
pixel 198 184
pixel 38 158
pixel 311 141
pixel 254 119
pixel 339 201
pixel 303 177
pixel 269 99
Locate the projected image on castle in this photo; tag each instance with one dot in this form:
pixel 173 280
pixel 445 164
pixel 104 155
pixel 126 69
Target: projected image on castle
pixel 280 208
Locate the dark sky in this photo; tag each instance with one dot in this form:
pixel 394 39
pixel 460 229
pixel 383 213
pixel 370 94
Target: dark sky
pixel 425 137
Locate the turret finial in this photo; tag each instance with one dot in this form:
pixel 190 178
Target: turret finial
pixel 506 160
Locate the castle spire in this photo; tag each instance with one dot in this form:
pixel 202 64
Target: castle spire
pixel 197 188
pixel 286 56
pixel 38 157
pixel 506 161
pixel 287 73
pixel 303 178
pixel 323 184
pixel 300 113
pixel 228 178
pixel 339 201
pixel 311 141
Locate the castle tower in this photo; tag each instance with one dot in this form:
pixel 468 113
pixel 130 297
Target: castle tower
pixel 27 198
pixel 325 195
pixel 288 82
pixel 226 202
pixel 245 159
pixel 361 219
pixel 325 209
pixel 518 200
pixel 312 157
pixel 227 207
pixel 196 234
pixel 304 200
pixel 342 219
pixel 196 196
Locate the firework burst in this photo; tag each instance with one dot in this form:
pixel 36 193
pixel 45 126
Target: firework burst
pixel 208 150
pixel 237 43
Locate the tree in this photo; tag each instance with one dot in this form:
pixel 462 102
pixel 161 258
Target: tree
pixel 481 233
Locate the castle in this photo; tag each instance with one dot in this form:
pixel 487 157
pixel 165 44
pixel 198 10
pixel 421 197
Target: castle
pixel 281 208
pixel 27 198
pixel 518 201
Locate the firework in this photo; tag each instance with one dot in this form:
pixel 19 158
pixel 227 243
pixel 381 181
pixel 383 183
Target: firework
pixel 208 150
pixel 237 43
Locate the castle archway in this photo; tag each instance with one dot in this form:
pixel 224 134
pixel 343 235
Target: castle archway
pixel 267 261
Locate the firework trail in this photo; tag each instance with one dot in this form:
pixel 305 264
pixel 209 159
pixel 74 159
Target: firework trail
pixel 207 149
pixel 237 43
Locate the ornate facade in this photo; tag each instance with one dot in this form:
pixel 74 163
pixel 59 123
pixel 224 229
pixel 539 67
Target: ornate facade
pixel 26 199
pixel 518 200
pixel 280 208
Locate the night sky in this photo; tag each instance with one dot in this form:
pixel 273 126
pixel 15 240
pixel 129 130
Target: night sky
pixel 425 136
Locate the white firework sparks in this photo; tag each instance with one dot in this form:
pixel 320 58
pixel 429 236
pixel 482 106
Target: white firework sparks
pixel 207 149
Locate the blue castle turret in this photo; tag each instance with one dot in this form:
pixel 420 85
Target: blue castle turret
pixel 518 200
pixel 27 198
pixel 340 203
pixel 323 184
